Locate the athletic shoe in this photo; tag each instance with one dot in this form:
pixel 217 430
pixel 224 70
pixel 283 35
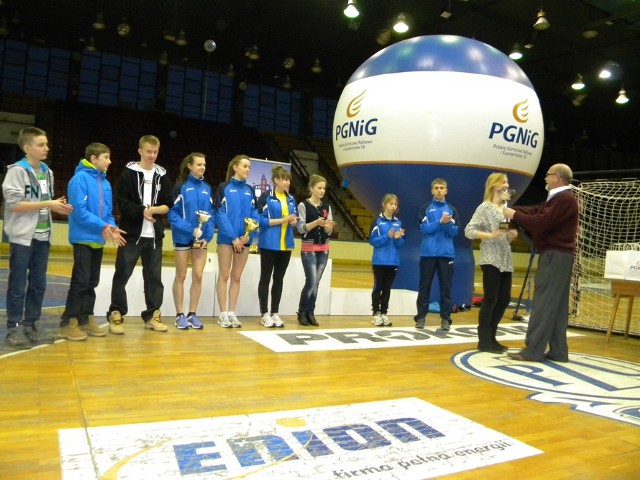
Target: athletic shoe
pixel 277 321
pixel 377 319
pixel 17 339
pixel 223 320
pixel 181 323
pixel 37 337
pixel 267 321
pixel 116 322
pixel 385 320
pixel 155 323
pixel 92 328
pixel 445 324
pixel 195 322
pixel 235 323
pixel 419 323
pixel 72 331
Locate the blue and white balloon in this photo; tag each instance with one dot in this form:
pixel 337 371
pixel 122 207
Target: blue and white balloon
pixel 436 106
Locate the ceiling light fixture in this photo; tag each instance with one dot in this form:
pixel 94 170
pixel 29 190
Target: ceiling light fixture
pixel 316 67
pixel 91 45
pixel 164 59
pixel 622 97
pixel 401 24
pixel 287 83
pixel 541 22
pixel 605 73
pixel 515 53
pixel 181 39
pixel 590 33
pixel 98 23
pixel 253 53
pixel 578 83
pixel 124 28
pixel 446 12
pixel 351 10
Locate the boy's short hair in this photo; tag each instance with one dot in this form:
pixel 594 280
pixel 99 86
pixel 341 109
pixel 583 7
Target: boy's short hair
pixel 150 139
pixel 27 135
pixel 96 149
pixel 439 181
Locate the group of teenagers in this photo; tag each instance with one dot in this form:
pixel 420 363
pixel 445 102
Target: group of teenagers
pixel 144 194
pixel 194 210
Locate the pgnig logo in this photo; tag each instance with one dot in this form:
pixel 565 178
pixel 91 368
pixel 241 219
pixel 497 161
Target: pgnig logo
pixel 516 133
pixel 358 127
pixel 636 266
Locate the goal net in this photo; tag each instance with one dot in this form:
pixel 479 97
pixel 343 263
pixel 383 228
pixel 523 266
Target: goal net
pixel 609 215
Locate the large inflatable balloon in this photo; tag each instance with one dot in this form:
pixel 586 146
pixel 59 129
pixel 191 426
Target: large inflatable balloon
pixel 436 106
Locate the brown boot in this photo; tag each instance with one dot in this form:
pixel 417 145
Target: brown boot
pixel 92 328
pixel 72 331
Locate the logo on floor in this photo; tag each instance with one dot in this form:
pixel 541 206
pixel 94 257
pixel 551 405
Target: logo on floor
pixel 363 338
pixel 598 385
pixel 399 439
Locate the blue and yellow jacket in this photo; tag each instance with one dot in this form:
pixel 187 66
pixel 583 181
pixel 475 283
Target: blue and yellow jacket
pixel 270 237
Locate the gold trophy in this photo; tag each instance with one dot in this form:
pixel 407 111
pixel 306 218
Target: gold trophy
pixel 249 226
pixel 505 196
pixel 203 217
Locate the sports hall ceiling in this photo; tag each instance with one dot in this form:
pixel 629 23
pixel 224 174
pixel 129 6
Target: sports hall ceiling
pixel 306 30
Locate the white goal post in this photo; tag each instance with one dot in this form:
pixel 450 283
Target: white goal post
pixel 609 215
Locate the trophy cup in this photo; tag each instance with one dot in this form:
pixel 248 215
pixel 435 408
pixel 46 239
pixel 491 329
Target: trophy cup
pixel 203 217
pixel 505 196
pixel 249 226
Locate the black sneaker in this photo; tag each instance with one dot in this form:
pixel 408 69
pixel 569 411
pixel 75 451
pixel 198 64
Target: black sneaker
pixel 445 324
pixel 37 337
pixel 17 339
pixel 420 323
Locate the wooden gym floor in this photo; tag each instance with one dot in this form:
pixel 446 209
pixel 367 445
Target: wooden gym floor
pixel 145 376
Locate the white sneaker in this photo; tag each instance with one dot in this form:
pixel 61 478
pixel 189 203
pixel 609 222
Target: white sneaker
pixel 223 320
pixel 385 320
pixel 377 319
pixel 277 321
pixel 235 323
pixel 267 321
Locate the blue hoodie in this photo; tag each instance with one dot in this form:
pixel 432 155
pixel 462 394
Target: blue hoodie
pixel 234 201
pixel 386 250
pixel 90 193
pixel 437 238
pixel 191 196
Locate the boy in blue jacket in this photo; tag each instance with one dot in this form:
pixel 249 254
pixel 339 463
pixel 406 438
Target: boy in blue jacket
pixel 91 224
pixel 438 228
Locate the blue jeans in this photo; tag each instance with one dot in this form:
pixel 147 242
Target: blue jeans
pixel 314 264
pixel 27 282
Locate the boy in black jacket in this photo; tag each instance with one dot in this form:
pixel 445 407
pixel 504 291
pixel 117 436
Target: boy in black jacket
pixel 143 194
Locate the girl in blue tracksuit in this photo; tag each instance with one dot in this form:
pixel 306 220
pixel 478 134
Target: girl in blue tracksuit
pixel 235 202
pixel 192 225
pixel 278 216
pixel 387 238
